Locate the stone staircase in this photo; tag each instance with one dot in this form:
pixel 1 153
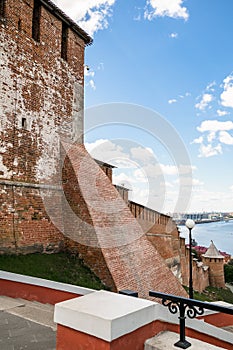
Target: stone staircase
pixel 29 310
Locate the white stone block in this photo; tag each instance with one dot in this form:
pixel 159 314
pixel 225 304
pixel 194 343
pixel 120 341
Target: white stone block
pixel 105 315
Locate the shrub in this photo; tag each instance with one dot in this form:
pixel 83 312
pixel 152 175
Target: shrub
pixel 228 272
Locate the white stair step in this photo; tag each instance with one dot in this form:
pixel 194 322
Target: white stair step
pixel 7 303
pixel 166 341
pixel 30 310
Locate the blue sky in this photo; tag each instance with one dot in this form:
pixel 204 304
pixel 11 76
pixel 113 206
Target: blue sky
pixel 175 58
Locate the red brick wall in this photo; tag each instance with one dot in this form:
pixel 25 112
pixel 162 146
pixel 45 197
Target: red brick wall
pixel 165 238
pixel 43 91
pixel 200 277
pixel 41 103
pixel 114 239
pixel 200 273
pixel 79 230
pixel 41 87
pixel 124 193
pixel 25 226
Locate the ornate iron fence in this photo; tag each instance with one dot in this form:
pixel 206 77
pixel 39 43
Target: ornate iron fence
pixel 187 308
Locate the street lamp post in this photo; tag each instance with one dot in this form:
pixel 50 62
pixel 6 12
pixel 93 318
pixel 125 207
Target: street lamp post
pixel 190 225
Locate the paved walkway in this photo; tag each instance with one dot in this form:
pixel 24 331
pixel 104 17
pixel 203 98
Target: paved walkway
pixel 26 325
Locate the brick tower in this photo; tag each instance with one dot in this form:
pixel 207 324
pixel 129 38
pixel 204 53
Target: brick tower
pixel 214 260
pixel 53 194
pixel 41 102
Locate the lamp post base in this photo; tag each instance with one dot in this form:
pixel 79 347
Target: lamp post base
pixel 182 344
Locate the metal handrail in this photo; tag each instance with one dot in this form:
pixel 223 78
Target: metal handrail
pixel 187 307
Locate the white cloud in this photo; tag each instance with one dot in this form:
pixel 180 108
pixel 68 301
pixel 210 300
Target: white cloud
pixel 231 188
pixel 205 101
pixel 197 182
pixel 221 113
pixel 88 72
pixel 107 151
pixel 139 195
pixel 210 86
pixel 198 140
pixel 91 15
pixel 153 170
pixel 169 8
pixel 207 200
pixel 90 75
pixel 137 169
pixel 100 66
pixel 92 84
pixel 207 97
pixel 124 179
pixel 137 18
pixel 226 138
pixel 189 181
pixel 142 154
pixel 215 125
pixel 206 151
pixel 140 176
pixel 138 13
pixel 211 136
pixel 169 170
pixel 123 163
pixel 187 94
pixel 173 35
pixel 172 101
pixel 217 131
pixel 115 154
pixel 92 146
pixel 227 95
pixel 186 169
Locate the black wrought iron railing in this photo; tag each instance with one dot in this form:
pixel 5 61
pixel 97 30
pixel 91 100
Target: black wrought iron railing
pixel 187 308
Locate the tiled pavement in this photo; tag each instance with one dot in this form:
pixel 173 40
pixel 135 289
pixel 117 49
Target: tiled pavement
pixel 26 325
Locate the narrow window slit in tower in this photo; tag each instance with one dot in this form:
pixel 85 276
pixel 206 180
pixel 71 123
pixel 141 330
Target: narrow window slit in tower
pixel 64 41
pixel 36 20
pixel 24 123
pixel 19 24
pixel 2 8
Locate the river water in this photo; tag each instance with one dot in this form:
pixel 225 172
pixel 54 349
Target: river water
pixel 221 233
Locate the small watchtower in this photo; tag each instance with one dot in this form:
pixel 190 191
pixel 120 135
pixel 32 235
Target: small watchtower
pixel 214 259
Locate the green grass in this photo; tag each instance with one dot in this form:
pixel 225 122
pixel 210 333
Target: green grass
pixel 214 294
pixel 60 267
pixel 220 294
pixel 66 268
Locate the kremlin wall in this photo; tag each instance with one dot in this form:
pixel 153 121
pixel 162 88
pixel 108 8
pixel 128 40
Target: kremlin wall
pixel 54 196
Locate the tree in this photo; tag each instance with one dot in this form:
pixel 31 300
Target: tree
pixel 228 272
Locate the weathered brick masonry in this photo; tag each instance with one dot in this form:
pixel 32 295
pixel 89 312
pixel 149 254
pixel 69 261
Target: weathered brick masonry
pixel 162 232
pixel 109 228
pixel 41 101
pixel 53 195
